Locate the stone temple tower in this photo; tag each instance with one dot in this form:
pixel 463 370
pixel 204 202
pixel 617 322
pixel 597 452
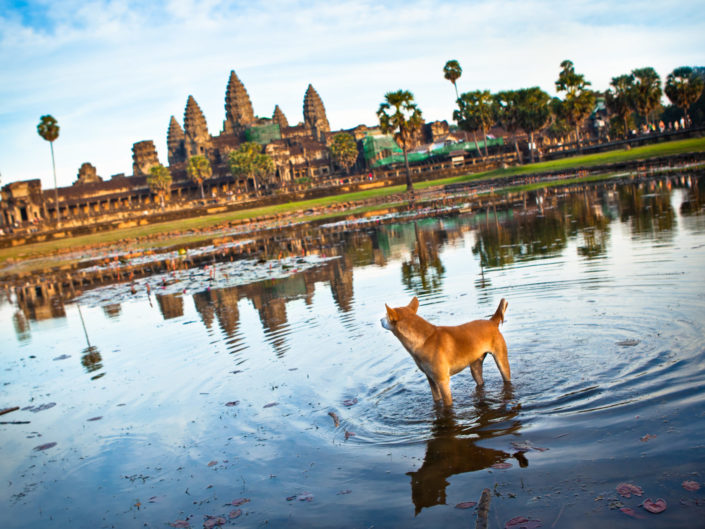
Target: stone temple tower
pixel 197 139
pixel 144 157
pixel 315 114
pixel 175 141
pixel 279 118
pixel 238 107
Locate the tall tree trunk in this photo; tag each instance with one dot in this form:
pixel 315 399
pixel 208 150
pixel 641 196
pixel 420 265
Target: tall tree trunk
pixel 531 146
pixel 516 148
pixel 477 147
pixel 200 183
pixel 409 184
pixel 626 127
pixel 484 139
pixel 56 190
pixel 577 136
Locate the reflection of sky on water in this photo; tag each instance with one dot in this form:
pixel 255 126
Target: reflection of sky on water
pixel 311 341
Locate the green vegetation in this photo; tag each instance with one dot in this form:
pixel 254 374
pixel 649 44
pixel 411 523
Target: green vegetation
pixel 344 150
pixel 159 182
pixel 579 100
pixel 404 122
pixel 452 72
pixel 199 169
pixel 182 231
pixel 48 129
pixel 683 88
pixel 475 111
pixel 248 161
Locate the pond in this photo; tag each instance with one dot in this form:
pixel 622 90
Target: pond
pixel 227 396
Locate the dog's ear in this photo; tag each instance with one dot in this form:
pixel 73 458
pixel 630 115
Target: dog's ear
pixel 391 313
pixel 414 304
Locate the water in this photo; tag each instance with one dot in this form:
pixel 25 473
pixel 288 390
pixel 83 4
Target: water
pixel 170 406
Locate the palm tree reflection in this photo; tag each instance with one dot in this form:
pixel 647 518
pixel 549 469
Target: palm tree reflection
pixel 453 448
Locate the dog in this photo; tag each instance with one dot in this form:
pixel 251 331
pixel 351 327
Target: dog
pixel 443 351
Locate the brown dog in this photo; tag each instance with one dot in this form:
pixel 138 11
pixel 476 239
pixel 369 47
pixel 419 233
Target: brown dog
pixel 442 351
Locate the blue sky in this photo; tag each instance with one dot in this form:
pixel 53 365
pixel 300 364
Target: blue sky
pixel 112 72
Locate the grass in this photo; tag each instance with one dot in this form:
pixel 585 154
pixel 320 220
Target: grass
pixel 182 226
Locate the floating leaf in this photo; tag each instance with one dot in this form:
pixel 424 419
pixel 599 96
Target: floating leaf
pixel 647 437
pixel 45 446
pixel 212 463
pixel 213 521
pixel 631 512
pixel 691 485
pixel 335 418
pixel 525 446
pixel 235 514
pixel 306 496
pixel 655 507
pixel 350 402
pixel 62 357
pixel 239 501
pixel 270 404
pixel 348 435
pixel 628 343
pixel 627 489
pixel 232 403
pixel 182 524
pixel 92 419
pixel 520 522
pixel 502 466
pixel 465 504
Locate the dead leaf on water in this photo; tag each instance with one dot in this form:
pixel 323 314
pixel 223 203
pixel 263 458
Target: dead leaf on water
pixel 655 507
pixel 181 524
pixel 521 522
pixel 212 463
pixel 502 466
pixel 628 343
pixel 45 446
pixel 335 418
pixel 691 485
pixel 627 489
pixel 235 514
pixel 465 504
pixel 631 512
pixel 239 501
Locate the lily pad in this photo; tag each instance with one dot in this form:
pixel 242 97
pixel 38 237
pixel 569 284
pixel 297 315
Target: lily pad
pixel 655 507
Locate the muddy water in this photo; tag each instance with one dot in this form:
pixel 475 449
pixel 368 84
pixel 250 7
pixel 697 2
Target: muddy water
pixel 177 404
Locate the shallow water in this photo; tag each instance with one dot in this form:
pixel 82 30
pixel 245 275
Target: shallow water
pixel 170 404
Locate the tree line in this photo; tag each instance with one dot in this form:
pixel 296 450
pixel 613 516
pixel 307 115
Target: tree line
pixel 630 100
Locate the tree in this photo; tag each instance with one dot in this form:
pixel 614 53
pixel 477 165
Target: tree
pixel 48 129
pixel 475 111
pixel 199 169
pixel 620 98
pixel 249 161
pixel 452 71
pixel 683 88
pixel 404 122
pixel 559 127
pixel 579 100
pixel 647 91
pixel 507 113
pixel 159 182
pixel 344 150
pixel 533 112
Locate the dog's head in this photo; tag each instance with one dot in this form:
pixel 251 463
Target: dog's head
pixel 394 316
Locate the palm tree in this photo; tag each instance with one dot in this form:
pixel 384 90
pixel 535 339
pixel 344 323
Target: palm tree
pixel 620 98
pixel 579 99
pixel 344 150
pixel 507 113
pixel 647 91
pixel 475 111
pixel 249 161
pixel 48 129
pixel 159 181
pixel 403 123
pixel 452 71
pixel 533 112
pixel 683 88
pixel 199 169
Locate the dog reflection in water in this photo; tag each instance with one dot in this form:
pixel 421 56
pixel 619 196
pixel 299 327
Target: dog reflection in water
pixel 452 449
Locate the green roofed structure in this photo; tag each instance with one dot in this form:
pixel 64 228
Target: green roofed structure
pixel 383 150
pixel 263 134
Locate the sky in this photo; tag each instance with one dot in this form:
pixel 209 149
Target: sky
pixel 113 72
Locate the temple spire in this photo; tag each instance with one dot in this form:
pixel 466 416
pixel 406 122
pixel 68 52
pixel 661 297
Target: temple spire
pixel 315 113
pixel 279 118
pixel 175 141
pixel 197 138
pixel 238 107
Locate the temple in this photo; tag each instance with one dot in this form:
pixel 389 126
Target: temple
pixel 300 154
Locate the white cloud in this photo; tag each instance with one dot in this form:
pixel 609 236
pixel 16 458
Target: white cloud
pixel 113 71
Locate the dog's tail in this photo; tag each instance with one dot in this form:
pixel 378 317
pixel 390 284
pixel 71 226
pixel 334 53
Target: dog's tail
pixel 498 316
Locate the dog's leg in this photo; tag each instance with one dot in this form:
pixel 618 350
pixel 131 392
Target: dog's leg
pixel 444 385
pixel 435 391
pixel 500 358
pixel 476 370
